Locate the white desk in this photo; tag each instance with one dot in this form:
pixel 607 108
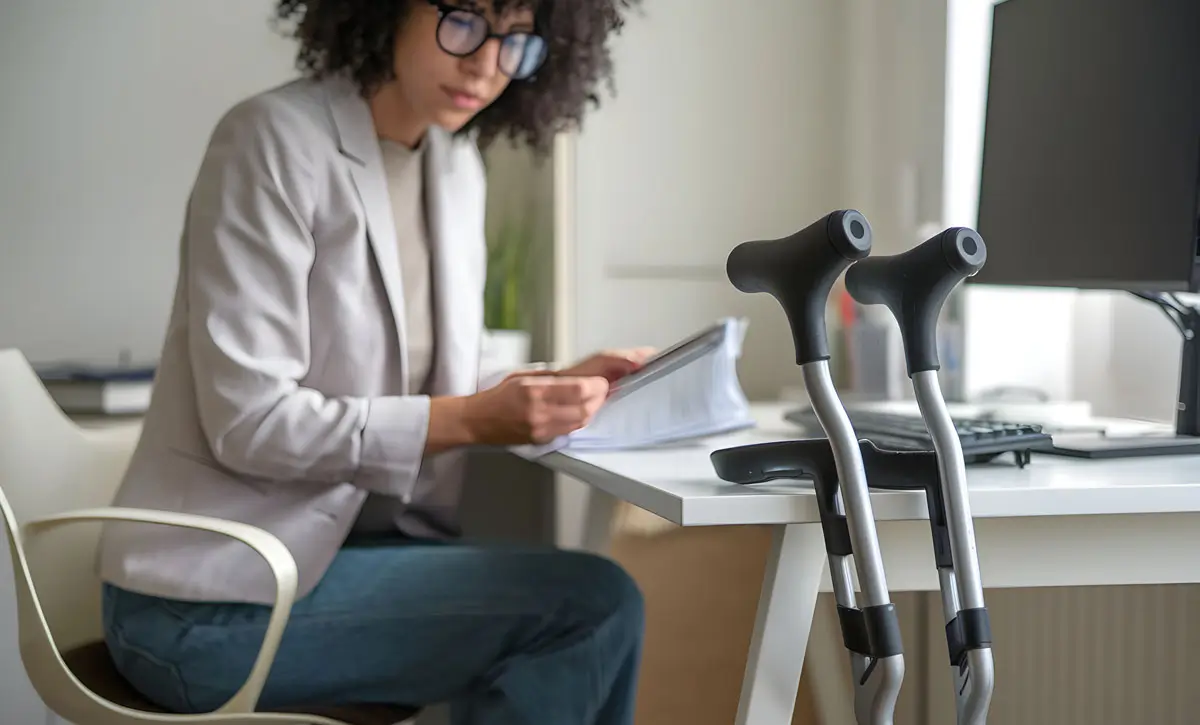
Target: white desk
pixel 1057 522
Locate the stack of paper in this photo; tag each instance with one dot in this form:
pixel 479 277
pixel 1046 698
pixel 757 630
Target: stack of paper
pixel 701 398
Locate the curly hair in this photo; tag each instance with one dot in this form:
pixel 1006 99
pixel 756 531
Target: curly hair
pixel 357 37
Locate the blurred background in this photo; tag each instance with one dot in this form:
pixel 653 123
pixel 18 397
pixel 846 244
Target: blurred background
pixel 731 122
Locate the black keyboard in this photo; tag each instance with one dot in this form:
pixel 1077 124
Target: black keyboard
pixel 982 440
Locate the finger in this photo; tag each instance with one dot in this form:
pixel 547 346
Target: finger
pixel 592 408
pixel 573 413
pixel 624 362
pixel 554 428
pixel 640 354
pixel 614 368
pixel 570 415
pixel 575 390
pixel 532 373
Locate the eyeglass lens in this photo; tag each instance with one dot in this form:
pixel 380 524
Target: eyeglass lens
pixel 462 32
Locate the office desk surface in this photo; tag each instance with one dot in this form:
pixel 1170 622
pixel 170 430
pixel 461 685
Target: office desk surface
pixel 678 483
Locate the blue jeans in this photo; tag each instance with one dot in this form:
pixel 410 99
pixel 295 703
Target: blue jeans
pixel 505 635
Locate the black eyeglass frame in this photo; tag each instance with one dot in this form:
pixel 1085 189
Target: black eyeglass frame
pixel 444 10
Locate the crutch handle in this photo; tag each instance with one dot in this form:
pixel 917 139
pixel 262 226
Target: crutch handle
pixel 799 271
pixel 915 284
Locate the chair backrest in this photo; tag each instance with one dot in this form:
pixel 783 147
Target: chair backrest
pixel 49 465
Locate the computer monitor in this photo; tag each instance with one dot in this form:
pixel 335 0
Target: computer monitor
pixel 1091 163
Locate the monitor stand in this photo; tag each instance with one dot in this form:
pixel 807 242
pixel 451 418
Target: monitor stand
pixel 1186 440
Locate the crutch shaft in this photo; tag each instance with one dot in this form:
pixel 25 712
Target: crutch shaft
pixel 853 477
pixel 799 272
pixel 953 473
pixel 914 286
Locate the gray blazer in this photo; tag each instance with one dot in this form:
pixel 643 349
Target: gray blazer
pixel 281 396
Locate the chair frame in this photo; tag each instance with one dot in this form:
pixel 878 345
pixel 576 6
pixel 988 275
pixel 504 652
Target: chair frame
pixel 63 692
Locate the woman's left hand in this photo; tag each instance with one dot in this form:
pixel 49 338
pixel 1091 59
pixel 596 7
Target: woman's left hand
pixel 610 364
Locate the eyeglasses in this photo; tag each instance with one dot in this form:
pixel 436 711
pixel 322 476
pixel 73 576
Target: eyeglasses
pixel 461 32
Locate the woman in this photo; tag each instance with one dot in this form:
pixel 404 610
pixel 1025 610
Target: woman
pixel 319 380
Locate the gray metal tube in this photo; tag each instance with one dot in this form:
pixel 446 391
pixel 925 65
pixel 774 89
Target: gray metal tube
pixel 954 487
pixel 853 480
pixel 974 702
pixel 983 681
pixel 875 700
pixel 949 587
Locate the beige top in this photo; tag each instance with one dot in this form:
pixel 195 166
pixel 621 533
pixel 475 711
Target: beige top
pixel 403 167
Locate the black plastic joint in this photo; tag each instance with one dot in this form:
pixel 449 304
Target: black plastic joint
pixel 854 630
pixel 943 556
pixel 837 535
pixel 954 642
pixel 883 630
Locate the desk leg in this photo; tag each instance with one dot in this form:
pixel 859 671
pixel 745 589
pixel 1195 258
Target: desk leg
pixel 599 512
pixel 786 608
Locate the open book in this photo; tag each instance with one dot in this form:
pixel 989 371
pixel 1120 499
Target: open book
pixel 691 390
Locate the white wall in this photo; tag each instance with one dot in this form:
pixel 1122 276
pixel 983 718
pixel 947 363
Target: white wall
pixel 728 127
pixel 107 108
pixel 725 128
pixel 890 74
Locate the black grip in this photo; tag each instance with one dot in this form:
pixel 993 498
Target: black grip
pixel 915 284
pixel 799 271
pixel 762 462
pixel 813 458
pixel 887 470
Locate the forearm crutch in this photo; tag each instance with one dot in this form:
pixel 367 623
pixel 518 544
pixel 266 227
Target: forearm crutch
pixel 799 271
pixel 914 285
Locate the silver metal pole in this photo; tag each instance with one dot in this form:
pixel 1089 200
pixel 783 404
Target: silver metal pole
pixel 973 697
pixel 879 703
pixel 954 487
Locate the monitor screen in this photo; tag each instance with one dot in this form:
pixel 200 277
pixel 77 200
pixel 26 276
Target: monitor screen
pixel 1091 151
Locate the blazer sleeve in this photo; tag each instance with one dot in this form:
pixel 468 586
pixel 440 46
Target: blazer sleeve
pixel 249 252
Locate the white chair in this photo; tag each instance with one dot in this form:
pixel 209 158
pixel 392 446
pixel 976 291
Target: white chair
pixel 48 465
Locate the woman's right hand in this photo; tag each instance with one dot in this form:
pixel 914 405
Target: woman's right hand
pixel 533 408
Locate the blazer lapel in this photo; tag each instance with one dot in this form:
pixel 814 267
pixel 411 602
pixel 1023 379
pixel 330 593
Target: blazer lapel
pixel 359 143
pixel 455 201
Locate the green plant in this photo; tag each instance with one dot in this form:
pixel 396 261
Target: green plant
pixel 505 303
